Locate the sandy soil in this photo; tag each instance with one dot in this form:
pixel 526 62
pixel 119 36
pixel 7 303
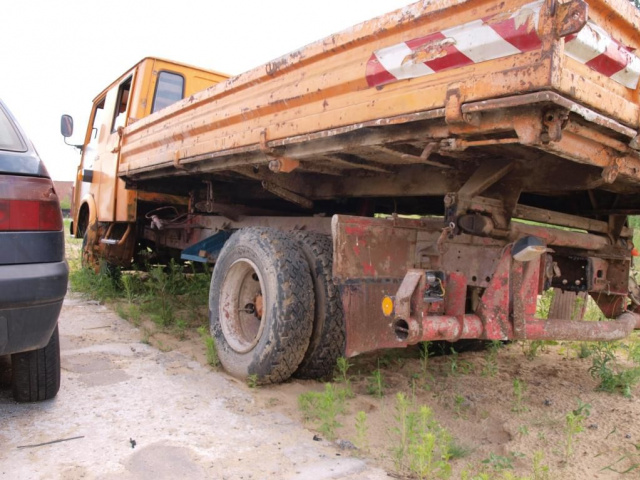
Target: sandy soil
pixel 472 397
pixel 477 405
pixel 128 411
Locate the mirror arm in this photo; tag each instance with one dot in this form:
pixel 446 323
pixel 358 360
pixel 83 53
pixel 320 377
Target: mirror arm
pixel 79 147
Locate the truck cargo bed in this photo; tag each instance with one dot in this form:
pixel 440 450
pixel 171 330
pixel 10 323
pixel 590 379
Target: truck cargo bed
pixel 543 96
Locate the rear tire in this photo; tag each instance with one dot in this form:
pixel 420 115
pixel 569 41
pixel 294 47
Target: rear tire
pixel 328 336
pixel 35 375
pixel 261 305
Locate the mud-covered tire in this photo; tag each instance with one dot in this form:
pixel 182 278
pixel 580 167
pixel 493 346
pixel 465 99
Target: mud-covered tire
pixel 261 305
pixel 327 341
pixel 35 375
pixel 86 258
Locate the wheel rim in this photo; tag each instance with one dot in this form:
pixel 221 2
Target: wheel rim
pixel 241 309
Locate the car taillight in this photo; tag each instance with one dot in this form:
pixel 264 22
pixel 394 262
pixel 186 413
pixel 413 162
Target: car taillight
pixel 28 203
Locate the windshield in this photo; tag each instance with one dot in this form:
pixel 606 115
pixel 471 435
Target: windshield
pixel 10 139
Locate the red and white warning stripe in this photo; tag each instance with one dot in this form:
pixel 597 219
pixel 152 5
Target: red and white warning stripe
pixel 494 37
pixel 474 42
pixel 596 49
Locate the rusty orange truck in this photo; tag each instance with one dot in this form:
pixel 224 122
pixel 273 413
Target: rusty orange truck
pixel 421 176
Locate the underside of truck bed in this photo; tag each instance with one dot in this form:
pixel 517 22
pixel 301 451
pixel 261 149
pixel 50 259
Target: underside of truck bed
pixel 540 155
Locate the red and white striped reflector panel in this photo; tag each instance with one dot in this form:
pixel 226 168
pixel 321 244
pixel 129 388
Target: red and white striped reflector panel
pixel 597 50
pixel 494 37
pixel 485 39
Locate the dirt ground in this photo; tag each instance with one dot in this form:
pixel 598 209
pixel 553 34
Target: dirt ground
pixel 129 411
pixel 472 395
pixel 475 401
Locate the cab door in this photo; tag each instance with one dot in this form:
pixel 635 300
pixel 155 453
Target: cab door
pixel 84 186
pixel 106 163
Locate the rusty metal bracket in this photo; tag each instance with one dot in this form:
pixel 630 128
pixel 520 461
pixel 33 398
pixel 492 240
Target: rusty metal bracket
pixel 610 173
pixel 280 163
pixel 571 17
pixel 176 161
pixel 554 121
pixel 287 195
pixel 486 175
pixel 405 293
pixel 453 113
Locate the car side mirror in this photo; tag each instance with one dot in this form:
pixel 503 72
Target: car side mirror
pixel 66 125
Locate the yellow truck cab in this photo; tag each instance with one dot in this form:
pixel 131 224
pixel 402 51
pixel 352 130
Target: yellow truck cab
pixel 149 86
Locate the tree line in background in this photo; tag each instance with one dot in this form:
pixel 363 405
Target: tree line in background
pixel 636 3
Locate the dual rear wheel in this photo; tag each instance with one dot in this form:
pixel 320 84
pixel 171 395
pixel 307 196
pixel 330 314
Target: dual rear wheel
pixel 274 311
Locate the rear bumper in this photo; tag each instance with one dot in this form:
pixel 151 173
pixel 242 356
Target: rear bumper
pixel 30 301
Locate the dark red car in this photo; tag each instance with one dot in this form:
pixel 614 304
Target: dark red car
pixel 33 270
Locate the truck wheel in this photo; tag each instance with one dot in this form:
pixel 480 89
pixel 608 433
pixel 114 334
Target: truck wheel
pixel 35 375
pixel 261 305
pixel 86 257
pixel 328 335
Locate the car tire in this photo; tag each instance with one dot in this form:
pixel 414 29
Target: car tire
pixel 35 375
pixel 327 341
pixel 261 305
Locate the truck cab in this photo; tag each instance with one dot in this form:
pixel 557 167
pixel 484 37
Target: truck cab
pixel 148 87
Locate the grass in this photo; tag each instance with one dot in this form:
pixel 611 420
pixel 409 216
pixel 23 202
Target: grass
pixel 173 296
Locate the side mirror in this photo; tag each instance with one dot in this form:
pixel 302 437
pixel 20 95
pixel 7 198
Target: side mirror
pixel 66 125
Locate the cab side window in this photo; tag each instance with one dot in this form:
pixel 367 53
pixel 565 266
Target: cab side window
pixel 169 89
pixel 97 121
pixel 120 114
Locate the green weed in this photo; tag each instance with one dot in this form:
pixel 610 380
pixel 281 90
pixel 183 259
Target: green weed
pixel 362 441
pixel 181 328
pixel 612 376
pixel 161 288
pixel 376 385
pixel 210 345
pixel 459 405
pixel 423 446
pixel 342 376
pixel 584 350
pixel 540 470
pixel 457 366
pixel 499 463
pixel 252 381
pixel 519 390
pixel 424 360
pixel 490 368
pixel 405 428
pixel 323 408
pixel 574 425
pixel 99 287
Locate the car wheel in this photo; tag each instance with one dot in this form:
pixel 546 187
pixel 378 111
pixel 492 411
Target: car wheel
pixel 328 335
pixel 35 375
pixel 261 305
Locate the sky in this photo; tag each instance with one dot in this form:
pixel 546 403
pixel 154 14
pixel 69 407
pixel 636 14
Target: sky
pixel 57 56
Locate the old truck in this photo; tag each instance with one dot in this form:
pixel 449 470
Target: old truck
pixel 421 176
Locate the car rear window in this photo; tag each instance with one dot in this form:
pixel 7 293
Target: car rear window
pixel 10 139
